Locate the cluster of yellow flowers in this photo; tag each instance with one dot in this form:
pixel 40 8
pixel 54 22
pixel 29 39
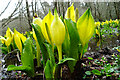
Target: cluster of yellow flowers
pixel 107 22
pixel 54 30
pixel 10 36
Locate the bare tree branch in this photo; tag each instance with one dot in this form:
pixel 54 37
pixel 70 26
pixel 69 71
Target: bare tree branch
pixel 10 21
pixel 18 5
pixel 5 8
pixel 42 7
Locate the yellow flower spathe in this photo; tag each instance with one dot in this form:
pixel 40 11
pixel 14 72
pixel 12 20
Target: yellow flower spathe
pixel 85 27
pixel 110 21
pixel 17 40
pixel 116 21
pixel 57 30
pixel 47 20
pixel 37 21
pixel 107 22
pixel 70 13
pixel 18 37
pixel 2 39
pixel 9 37
pixel 97 24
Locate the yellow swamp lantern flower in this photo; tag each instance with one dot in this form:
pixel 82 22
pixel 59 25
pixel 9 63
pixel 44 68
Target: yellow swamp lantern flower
pixel 85 27
pixel 102 23
pixel 107 22
pixel 118 50
pixel 47 20
pixel 70 13
pixel 9 35
pixel 110 21
pixel 116 21
pixel 58 33
pixel 23 38
pixel 97 24
pixel 18 37
pixel 17 40
pixel 2 39
pixel 37 21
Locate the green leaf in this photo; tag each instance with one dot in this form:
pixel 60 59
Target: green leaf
pixel 88 73
pixel 18 68
pixel 84 49
pixel 4 50
pixel 27 56
pixel 90 58
pixel 66 43
pixel 65 59
pixel 109 75
pixel 95 71
pixel 74 41
pixel 48 71
pixel 51 63
pixel 51 54
pixel 41 40
pixel 26 59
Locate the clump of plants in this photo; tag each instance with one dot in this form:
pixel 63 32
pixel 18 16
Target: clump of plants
pixel 53 42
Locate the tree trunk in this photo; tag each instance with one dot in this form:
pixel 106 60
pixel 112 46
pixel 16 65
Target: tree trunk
pixel 32 8
pixel 28 15
pixel 116 10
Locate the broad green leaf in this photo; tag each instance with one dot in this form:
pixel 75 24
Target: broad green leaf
pixel 88 72
pixel 85 27
pixel 51 54
pixel 27 56
pixel 66 44
pixel 51 62
pixel 18 68
pixel 95 71
pixel 74 41
pixel 48 71
pixel 38 48
pixel 26 59
pixel 4 50
pixel 41 40
pixel 90 58
pixel 65 59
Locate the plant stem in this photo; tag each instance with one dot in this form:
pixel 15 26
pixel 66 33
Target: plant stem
pixel 53 47
pixel 82 52
pixel 13 45
pixel 38 54
pixel 8 49
pixel 59 47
